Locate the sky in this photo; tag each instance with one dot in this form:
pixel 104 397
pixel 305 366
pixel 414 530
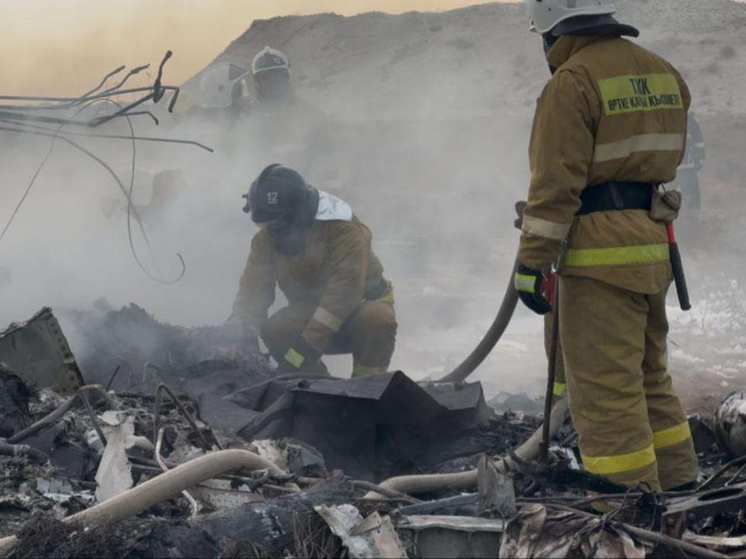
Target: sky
pixel 65 46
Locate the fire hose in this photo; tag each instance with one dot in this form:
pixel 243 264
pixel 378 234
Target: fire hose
pixel 499 325
pixel 493 335
pixel 163 487
pixel 461 481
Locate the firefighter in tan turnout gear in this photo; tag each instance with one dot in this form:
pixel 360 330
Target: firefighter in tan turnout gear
pixel 609 128
pixel 312 246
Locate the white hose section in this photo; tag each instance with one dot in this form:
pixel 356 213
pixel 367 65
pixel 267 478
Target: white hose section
pixel 163 487
pixel 466 480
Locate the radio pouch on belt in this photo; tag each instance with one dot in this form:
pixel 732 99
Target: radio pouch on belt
pixel 665 205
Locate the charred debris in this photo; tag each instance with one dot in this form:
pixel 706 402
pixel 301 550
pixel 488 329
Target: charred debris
pixel 166 444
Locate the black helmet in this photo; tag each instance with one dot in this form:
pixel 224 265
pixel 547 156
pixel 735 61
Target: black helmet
pixel 280 198
pixel 275 193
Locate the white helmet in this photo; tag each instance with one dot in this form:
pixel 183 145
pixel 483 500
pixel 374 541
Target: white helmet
pixel 218 83
pixel 546 14
pixel 270 59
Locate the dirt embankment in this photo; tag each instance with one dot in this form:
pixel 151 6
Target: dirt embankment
pixel 434 110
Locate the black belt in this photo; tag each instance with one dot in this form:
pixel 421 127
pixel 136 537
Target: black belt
pixel 609 196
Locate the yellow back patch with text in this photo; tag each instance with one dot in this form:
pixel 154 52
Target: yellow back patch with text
pixel 650 92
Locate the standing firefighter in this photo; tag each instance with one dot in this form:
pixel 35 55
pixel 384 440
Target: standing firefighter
pixel 319 253
pixel 609 127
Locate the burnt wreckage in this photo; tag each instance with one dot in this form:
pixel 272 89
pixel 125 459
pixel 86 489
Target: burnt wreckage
pixel 185 451
pixel 157 441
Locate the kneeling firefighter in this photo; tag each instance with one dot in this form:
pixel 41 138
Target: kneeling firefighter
pixel 319 253
pixel 609 129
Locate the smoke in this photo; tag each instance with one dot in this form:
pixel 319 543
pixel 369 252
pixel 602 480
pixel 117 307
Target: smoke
pixel 426 134
pixel 436 188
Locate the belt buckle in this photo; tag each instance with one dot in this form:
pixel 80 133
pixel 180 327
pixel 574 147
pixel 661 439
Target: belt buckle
pixel 559 264
pixel 616 196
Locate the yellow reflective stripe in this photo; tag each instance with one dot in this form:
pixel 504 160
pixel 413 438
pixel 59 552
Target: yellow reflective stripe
pixel 294 358
pixel 672 436
pixel 363 371
pixel 559 388
pixel 525 283
pixel 650 92
pixel 388 295
pixel 606 465
pixel 634 144
pixel 617 256
pixel 326 318
pixel 544 228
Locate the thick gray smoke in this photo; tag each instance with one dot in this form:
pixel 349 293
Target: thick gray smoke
pixel 426 137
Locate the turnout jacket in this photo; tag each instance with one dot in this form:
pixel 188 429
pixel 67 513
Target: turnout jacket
pixel 613 111
pixel 330 278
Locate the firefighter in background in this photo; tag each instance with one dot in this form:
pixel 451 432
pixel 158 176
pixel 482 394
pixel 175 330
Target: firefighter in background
pixel 609 127
pixel 687 177
pixel 312 246
pixel 254 116
pixel 281 125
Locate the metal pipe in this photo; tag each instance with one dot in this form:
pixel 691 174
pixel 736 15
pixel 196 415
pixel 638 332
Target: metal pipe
pixel 162 463
pixel 59 413
pixel 184 412
pixel 551 376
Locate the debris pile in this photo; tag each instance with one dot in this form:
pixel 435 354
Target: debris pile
pixel 223 458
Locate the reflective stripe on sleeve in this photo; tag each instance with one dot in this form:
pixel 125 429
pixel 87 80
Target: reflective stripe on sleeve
pixel 674 435
pixel 634 144
pixel 326 318
pixel 524 283
pixel 606 465
pixel 617 256
pixel 544 228
pixel 559 388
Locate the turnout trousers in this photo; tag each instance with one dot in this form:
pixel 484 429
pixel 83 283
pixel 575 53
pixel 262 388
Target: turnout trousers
pixel 630 422
pixel 369 334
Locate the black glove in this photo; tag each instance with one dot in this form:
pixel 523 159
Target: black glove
pixel 530 285
pixel 300 353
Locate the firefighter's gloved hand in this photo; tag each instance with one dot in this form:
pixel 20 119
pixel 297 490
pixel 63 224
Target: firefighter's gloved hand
pixel 531 287
pixel 300 353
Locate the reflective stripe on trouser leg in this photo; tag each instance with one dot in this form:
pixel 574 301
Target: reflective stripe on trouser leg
pixel 603 335
pixel 674 448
